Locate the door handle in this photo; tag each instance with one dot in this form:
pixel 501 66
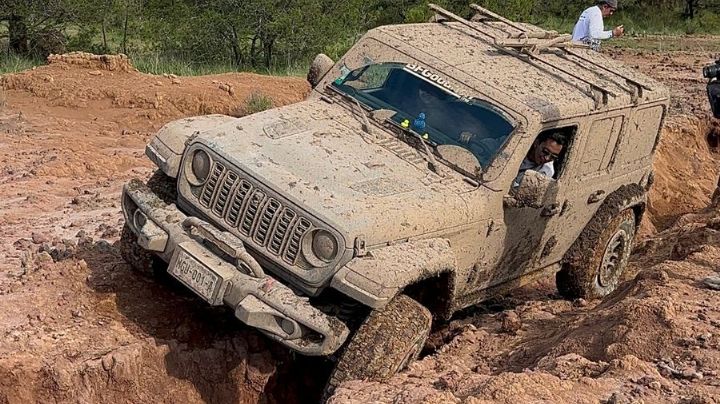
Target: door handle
pixel 551 210
pixel 595 196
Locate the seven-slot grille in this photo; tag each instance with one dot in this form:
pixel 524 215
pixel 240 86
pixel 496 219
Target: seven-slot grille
pixel 262 219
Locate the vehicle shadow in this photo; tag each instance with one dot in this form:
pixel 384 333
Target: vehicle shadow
pixel 225 361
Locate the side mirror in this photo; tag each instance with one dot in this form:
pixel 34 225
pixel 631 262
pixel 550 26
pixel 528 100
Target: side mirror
pixel 319 67
pixel 533 189
pixel 713 90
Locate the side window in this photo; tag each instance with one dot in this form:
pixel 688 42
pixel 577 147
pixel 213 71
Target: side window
pixel 639 138
pixel 600 145
pixel 548 153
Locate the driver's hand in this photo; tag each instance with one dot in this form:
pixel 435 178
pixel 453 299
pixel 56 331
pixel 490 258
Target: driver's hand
pixel 466 137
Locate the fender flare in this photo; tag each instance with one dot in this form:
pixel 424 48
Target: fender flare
pixel 630 196
pixel 374 279
pixel 167 146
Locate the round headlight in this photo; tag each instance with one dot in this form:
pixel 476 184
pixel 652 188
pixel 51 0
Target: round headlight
pixel 324 245
pixel 200 166
pixel 319 247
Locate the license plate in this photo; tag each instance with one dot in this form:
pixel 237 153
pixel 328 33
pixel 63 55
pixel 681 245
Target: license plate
pixel 194 274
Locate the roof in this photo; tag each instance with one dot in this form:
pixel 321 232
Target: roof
pixel 555 84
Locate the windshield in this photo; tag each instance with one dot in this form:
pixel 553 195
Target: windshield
pixel 430 106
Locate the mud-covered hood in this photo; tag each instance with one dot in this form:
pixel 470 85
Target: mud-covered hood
pixel 316 154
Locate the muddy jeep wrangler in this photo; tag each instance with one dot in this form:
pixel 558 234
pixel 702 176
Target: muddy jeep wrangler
pixel 344 224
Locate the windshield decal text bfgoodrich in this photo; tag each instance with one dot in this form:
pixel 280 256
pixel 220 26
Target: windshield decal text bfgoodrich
pixel 432 76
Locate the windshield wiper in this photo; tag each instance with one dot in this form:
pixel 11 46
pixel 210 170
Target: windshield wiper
pixel 366 122
pixel 431 160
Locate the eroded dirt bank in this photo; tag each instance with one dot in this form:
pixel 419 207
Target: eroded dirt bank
pixel 77 326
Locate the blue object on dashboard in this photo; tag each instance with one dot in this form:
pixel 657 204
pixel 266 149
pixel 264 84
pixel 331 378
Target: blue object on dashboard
pixel 419 122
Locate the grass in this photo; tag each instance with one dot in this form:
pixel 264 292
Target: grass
pixel 13 63
pixel 257 102
pixel 156 64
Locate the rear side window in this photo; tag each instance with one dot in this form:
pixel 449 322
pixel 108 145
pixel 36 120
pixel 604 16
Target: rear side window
pixel 600 145
pixel 639 138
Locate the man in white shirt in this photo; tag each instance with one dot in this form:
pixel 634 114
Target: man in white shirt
pixel 544 151
pixel 590 28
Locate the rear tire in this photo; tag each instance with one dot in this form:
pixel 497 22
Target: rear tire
pixel 596 272
pixel 385 343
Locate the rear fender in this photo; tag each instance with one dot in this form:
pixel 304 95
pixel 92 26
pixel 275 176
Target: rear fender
pixel 376 278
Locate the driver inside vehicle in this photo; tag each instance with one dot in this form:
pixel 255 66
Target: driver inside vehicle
pixel 542 155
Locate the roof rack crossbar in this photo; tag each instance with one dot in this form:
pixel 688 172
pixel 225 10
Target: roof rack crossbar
pixel 526 57
pixel 497 17
pixel 640 86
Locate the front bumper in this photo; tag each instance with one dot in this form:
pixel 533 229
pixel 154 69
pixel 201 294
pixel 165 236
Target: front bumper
pixel 215 265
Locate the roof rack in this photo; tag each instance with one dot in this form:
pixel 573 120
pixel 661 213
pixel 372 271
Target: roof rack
pixel 636 93
pixel 527 45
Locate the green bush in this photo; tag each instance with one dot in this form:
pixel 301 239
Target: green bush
pixel 257 102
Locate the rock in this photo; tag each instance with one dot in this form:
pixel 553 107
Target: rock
pixel 108 361
pixel 224 87
pixel 103 246
pixel 39 238
pixel 616 398
pixel 511 322
pixel 22 244
pixel 95 73
pixel 176 81
pixel 712 282
pixel 691 374
pixel 44 257
pixel 580 302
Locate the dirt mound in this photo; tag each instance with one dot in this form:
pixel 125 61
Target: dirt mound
pixel 90 61
pixel 655 339
pixel 94 83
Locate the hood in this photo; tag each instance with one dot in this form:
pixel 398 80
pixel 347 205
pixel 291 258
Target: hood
pixel 317 154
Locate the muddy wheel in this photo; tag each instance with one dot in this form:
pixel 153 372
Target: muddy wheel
pixel 164 186
pixel 141 260
pixel 598 272
pixel 388 341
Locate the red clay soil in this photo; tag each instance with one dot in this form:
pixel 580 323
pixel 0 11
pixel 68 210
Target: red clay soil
pixel 77 326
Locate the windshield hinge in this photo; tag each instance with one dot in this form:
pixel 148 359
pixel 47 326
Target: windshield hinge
pixel 360 248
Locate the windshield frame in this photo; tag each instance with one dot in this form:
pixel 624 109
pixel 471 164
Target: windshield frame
pixel 439 83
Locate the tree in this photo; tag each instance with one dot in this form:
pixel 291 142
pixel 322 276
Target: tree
pixel 30 19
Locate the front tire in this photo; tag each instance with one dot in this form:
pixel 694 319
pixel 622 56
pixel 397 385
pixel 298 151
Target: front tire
pixel 390 339
pixel 596 272
pixel 139 259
